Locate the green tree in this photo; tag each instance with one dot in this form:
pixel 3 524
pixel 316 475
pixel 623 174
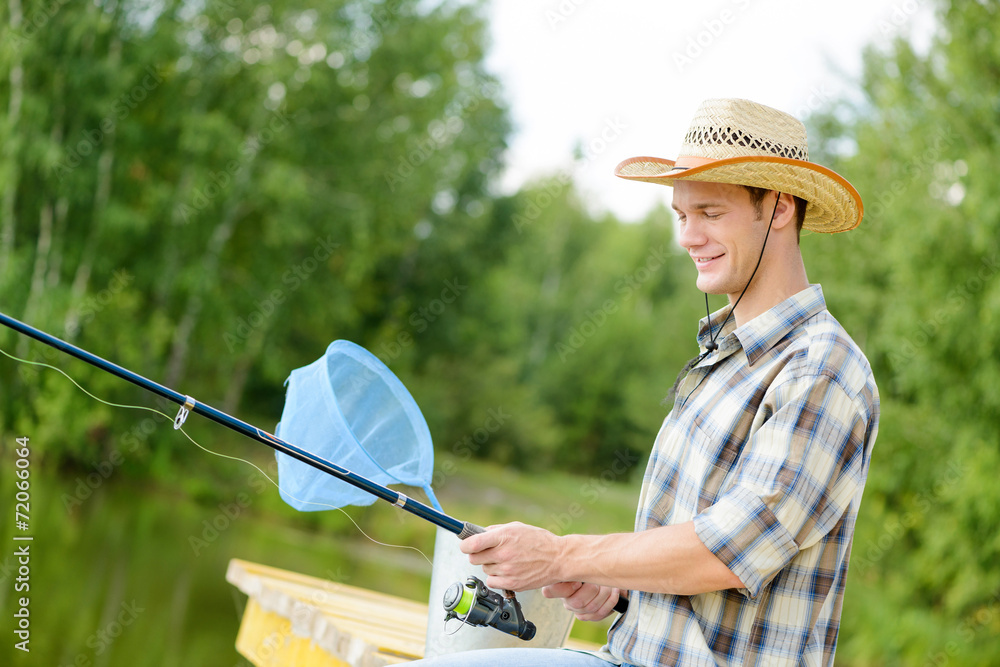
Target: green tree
pixel 573 329
pixel 209 195
pixel 918 283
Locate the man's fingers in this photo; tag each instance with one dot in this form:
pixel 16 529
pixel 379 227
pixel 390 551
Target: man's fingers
pixel 591 602
pixel 563 589
pixel 588 599
pixel 480 542
pixel 603 612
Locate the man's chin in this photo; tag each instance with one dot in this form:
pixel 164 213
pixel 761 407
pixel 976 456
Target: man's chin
pixel 709 287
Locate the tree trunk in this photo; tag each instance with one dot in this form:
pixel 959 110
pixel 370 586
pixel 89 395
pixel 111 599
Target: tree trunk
pixel 50 220
pixel 241 373
pixel 54 276
pixel 102 195
pixel 196 299
pixel 549 293
pixel 37 287
pixel 210 263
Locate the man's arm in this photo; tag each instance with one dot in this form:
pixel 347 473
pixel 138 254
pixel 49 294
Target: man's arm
pixel 669 559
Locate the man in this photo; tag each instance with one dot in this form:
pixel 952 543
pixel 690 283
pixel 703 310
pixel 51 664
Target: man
pixel 749 500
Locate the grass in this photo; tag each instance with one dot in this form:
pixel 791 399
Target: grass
pixel 486 493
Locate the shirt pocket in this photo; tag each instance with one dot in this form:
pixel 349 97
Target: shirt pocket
pixel 718 448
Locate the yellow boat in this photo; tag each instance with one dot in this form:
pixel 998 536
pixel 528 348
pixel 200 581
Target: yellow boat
pixel 296 620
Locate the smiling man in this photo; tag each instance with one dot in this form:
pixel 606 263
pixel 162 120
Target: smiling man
pixel 746 516
pixel 724 232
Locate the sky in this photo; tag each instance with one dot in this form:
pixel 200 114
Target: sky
pixel 621 79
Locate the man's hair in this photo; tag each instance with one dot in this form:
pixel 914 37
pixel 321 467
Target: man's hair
pixel 757 197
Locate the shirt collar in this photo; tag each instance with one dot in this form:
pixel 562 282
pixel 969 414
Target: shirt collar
pixel 764 331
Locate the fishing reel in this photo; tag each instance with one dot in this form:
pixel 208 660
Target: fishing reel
pixel 477 605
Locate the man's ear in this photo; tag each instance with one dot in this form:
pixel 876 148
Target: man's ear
pixel 784 213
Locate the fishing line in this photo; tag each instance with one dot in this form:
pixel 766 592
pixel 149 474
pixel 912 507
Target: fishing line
pixel 465 621
pixel 209 451
pixel 504 612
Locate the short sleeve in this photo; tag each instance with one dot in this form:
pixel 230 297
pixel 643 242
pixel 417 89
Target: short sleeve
pixel 798 473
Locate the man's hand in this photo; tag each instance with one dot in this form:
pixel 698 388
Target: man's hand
pixel 516 556
pixel 589 602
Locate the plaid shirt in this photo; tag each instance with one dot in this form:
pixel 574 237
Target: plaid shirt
pixel 766 450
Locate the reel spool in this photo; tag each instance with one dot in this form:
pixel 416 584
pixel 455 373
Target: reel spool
pixel 475 604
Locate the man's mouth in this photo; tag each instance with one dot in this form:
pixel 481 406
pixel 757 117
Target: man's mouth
pixel 704 260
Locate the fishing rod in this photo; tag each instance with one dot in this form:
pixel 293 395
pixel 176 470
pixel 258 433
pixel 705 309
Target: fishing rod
pixel 478 606
pixel 503 613
pixel 187 404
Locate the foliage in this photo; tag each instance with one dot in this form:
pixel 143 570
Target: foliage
pixel 917 284
pixel 209 194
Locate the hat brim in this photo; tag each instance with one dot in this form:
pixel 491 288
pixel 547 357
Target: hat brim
pixel 834 205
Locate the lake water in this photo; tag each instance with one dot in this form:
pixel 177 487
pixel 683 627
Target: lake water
pixel 134 576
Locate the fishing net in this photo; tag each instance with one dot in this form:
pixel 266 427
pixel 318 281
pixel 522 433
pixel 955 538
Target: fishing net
pixel 348 408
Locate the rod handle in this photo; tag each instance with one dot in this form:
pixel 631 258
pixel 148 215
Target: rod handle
pixel 470 529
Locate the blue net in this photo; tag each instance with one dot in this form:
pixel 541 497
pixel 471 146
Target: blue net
pixel 348 408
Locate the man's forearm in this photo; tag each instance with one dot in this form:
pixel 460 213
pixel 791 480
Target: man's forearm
pixel 670 559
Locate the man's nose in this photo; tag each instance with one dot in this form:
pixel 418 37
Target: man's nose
pixel 690 235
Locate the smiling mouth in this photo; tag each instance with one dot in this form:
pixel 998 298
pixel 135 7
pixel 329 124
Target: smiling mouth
pixel 703 260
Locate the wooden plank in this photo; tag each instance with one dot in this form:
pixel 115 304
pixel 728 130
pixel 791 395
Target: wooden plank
pixel 295 619
pixel 266 640
pixel 349 623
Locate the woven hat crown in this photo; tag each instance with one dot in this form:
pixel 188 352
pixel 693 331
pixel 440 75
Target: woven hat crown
pixel 741 142
pixel 740 128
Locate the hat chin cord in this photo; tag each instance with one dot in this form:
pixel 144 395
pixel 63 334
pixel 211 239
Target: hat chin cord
pixel 712 345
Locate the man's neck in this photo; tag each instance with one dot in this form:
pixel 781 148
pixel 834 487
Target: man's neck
pixel 770 287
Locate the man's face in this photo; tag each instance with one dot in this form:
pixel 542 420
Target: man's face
pixel 720 229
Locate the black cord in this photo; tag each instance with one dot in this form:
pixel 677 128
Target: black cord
pixel 711 346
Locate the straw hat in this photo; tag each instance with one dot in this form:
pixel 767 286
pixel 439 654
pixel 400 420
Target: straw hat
pixel 745 143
